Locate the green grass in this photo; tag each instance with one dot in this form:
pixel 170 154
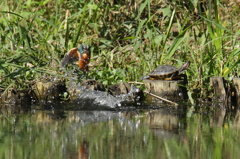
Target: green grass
pixel 128 38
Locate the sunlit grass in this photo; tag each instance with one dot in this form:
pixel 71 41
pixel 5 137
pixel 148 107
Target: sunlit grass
pixel 128 39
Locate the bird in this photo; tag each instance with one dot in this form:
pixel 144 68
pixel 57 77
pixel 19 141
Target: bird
pixel 81 54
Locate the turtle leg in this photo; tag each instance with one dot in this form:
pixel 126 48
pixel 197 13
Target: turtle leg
pixel 184 76
pixel 174 75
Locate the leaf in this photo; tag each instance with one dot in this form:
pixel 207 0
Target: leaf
pixel 174 47
pixel 17 72
pixel 92 6
pixel 166 11
pixel 218 25
pixel 11 13
pixel 141 8
pixel 129 38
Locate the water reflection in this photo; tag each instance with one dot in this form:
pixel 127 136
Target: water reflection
pixel 162 133
pixel 83 150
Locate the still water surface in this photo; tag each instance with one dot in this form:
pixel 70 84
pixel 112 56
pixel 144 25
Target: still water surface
pixel 138 134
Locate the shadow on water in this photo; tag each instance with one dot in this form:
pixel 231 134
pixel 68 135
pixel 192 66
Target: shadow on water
pixel 131 133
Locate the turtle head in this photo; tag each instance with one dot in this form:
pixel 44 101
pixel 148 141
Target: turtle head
pixel 184 67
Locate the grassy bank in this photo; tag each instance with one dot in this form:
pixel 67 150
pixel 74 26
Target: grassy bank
pixel 127 38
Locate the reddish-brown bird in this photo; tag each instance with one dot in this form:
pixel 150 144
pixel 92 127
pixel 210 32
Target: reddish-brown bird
pixel 81 54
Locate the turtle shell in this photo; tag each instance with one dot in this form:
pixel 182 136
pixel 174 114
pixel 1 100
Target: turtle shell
pixel 163 71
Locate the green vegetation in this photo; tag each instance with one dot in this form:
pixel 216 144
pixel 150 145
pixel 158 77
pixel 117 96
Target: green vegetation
pixel 127 38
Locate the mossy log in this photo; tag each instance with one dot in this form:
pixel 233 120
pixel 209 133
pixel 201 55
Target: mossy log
pixel 16 97
pixel 117 89
pixel 48 92
pixel 236 82
pixel 174 90
pixel 220 96
pixel 219 89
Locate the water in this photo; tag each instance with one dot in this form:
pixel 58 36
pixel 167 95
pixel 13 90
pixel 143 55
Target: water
pixel 159 133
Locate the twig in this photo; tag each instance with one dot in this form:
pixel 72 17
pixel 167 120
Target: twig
pixel 166 100
pixel 161 98
pixel 136 83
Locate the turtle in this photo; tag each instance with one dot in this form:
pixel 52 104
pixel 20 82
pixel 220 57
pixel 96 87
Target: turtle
pixel 168 72
pixel 81 54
